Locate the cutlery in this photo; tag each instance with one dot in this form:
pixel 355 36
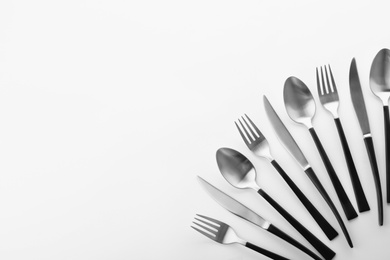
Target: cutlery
pixel 288 141
pixel 241 173
pixel 380 86
pixel 301 108
pixel 258 144
pixel 244 212
pixel 329 99
pixel 361 113
pixel 224 234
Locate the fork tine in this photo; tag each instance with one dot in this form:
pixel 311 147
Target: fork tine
pixel 331 77
pixel 254 127
pixel 242 134
pixel 204 233
pixel 207 223
pixel 212 231
pixel 326 90
pixel 327 80
pixel 210 219
pixel 250 138
pixel 248 127
pixel 320 88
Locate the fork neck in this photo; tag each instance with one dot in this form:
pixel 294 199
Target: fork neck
pixel 240 241
pixel 263 152
pixel 268 157
pixel 334 113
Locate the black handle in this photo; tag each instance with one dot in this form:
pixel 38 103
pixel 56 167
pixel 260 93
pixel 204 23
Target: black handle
pixel 265 252
pixel 387 150
pixel 325 251
pixel 329 231
pixel 356 184
pixel 345 202
pixel 374 166
pixel 313 177
pixel 279 233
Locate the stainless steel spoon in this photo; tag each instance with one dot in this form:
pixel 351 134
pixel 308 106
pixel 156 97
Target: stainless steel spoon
pixel 380 86
pixel 241 173
pixel 301 108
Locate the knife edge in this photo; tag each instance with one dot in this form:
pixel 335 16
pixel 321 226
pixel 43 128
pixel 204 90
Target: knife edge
pixel 357 98
pixel 284 135
pixel 234 206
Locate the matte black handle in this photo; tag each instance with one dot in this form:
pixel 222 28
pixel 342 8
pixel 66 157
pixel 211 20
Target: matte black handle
pixel 387 150
pixel 356 184
pixel 374 166
pixel 349 211
pixel 265 252
pixel 313 177
pixel 329 231
pixel 279 233
pixel 325 251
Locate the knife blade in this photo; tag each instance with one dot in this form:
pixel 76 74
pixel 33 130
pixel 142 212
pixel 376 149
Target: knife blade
pixel 240 210
pixel 357 99
pixel 361 113
pixel 284 135
pixel 233 205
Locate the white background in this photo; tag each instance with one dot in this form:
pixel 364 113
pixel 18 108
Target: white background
pixel 110 109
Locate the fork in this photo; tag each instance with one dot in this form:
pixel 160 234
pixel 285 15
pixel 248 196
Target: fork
pixel 258 144
pixel 224 234
pixel 329 99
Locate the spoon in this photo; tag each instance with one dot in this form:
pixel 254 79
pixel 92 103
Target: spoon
pixel 241 173
pixel 380 86
pixel 301 108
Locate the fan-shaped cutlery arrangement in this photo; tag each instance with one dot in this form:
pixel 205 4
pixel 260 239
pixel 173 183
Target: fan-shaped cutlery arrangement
pixel 300 106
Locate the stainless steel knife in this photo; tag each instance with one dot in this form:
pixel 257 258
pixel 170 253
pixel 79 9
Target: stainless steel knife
pixel 289 143
pixel 240 210
pixel 361 113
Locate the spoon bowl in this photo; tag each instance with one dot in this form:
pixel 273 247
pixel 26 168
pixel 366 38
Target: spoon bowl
pixel 236 169
pixel 380 75
pixel 299 101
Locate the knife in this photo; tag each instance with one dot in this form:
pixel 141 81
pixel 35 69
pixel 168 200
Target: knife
pixel 361 113
pixel 240 210
pixel 289 143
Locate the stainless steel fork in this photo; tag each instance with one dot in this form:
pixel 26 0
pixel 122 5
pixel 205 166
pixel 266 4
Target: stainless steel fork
pixel 224 234
pixel 258 144
pixel 329 99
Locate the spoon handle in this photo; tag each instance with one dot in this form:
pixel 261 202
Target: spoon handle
pixel 387 150
pixel 356 184
pixel 325 251
pixel 265 252
pixel 374 167
pixel 341 194
pixel 329 231
pixel 313 177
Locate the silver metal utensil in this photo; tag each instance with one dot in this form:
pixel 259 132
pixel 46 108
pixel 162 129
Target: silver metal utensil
pixel 258 144
pixel 301 108
pixel 241 173
pixel 361 113
pixel 289 143
pixel 238 209
pixel 222 233
pixel 380 86
pixel 329 98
